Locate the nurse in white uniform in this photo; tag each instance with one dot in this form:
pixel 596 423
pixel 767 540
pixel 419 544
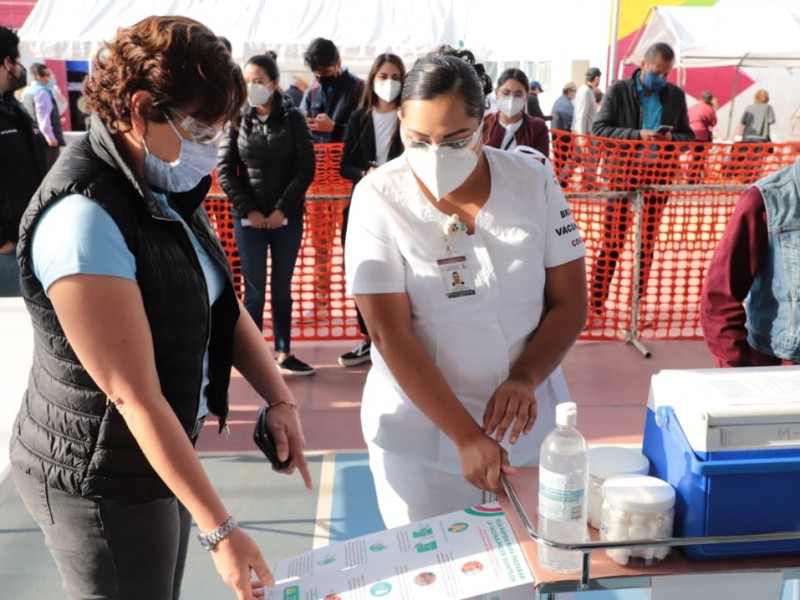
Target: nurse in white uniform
pixel 468 268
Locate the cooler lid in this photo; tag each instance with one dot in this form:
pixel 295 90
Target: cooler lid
pixel 732 409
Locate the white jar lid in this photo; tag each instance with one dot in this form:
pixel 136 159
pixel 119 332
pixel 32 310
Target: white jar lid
pixel 612 461
pixel 639 494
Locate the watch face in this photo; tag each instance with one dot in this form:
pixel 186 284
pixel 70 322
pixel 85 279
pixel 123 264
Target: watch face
pixel 205 542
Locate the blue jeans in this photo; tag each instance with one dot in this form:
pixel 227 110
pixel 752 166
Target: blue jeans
pixel 283 244
pixel 9 275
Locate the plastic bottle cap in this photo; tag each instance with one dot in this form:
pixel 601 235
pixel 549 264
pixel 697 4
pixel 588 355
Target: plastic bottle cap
pixel 566 414
pixel 613 461
pixel 639 494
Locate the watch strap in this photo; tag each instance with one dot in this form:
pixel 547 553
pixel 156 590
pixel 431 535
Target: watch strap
pixel 214 537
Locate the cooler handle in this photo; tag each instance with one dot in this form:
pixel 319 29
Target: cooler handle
pixel 727 467
pixel 742 467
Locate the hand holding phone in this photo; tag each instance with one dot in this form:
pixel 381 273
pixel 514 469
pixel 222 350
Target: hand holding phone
pixel 265 442
pixel 664 129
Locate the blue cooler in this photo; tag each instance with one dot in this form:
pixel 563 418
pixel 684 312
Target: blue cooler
pixel 728 441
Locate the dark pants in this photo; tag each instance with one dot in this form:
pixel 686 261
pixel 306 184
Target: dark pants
pixel 283 245
pixel 110 549
pixel 617 223
pixel 345 215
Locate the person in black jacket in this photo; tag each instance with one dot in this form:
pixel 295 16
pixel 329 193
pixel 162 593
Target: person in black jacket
pixel 22 163
pixel 371 139
pixel 333 97
pixel 265 166
pixel 327 104
pixel 644 107
pixel 125 278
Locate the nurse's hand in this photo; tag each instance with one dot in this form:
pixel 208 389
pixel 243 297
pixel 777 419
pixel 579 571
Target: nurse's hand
pixel 512 402
pixel 482 460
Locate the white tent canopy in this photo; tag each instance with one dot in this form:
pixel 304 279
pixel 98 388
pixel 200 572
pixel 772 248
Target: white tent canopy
pixel 76 29
pixel 756 36
pixel 506 31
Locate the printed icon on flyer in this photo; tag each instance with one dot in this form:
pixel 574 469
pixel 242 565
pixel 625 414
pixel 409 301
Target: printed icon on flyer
pixel 424 578
pixel 472 567
pixel 457 527
pixel 377 547
pixel 291 593
pixel 423 531
pixel 382 588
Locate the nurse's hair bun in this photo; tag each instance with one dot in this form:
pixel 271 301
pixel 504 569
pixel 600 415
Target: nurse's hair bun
pixel 468 57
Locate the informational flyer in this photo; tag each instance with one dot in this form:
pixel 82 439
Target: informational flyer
pixel 454 556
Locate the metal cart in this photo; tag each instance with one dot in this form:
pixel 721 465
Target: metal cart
pixel 600 573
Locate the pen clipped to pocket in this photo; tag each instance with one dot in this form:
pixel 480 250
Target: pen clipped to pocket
pixel 265 442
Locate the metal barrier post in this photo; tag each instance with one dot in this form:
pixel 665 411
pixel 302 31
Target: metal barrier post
pixel 632 336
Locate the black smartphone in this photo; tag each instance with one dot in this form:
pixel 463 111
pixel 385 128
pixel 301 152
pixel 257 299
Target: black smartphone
pixel 265 442
pixel 664 129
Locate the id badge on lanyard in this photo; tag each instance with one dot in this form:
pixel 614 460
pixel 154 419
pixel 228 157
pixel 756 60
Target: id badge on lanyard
pixel 453 269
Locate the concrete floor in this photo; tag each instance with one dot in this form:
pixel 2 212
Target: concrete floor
pixel 609 380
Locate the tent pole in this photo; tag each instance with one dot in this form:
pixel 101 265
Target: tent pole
pixel 733 96
pixel 612 69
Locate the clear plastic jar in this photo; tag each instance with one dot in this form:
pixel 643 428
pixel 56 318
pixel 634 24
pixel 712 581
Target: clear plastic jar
pixel 637 508
pixel 606 462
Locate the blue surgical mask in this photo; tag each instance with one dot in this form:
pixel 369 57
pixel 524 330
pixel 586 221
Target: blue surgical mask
pixel 195 162
pixel 654 82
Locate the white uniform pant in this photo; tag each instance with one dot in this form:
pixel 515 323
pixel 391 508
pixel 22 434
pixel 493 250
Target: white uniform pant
pixel 409 492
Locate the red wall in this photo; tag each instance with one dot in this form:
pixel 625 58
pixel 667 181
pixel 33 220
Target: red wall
pixel 13 13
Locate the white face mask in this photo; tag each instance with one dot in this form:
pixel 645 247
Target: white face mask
pixel 510 105
pixel 387 89
pixel 194 162
pixel 257 94
pixel 445 167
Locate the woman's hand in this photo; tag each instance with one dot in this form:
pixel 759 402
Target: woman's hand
pixel 275 219
pixel 235 557
pixel 284 424
pixel 513 401
pixel 258 220
pixel 482 461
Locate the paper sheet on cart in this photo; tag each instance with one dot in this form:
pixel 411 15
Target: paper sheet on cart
pixel 731 586
pixel 458 555
pixel 747 392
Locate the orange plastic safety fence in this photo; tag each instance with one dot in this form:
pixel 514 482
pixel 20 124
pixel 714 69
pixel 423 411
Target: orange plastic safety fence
pixel 320 310
pixel 677 196
pixel 587 163
pixel 651 214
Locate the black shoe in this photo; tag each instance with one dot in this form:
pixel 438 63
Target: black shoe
pixel 292 365
pixel 358 355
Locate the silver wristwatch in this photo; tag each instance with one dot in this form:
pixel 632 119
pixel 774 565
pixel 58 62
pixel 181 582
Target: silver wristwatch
pixel 212 538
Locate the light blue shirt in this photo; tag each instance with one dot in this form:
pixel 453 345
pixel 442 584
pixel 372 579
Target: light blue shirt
pixel 651 107
pixel 76 236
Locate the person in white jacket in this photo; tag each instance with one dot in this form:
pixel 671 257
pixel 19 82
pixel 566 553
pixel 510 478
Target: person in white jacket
pixel 586 103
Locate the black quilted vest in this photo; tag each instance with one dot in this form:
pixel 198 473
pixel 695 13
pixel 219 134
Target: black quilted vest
pixel 66 432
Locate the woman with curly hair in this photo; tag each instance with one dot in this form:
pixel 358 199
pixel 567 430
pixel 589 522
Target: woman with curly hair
pixel 137 327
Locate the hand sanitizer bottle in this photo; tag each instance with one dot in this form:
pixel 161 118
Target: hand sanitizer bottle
pixel 563 483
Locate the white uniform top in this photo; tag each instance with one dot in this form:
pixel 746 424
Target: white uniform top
pixel 394 239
